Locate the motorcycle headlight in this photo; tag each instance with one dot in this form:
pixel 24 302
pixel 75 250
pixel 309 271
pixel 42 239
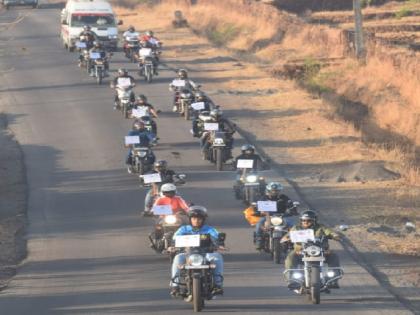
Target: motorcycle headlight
pixel 330 274
pixel 185 95
pixel 251 178
pixel 113 36
pixel 313 251
pixel 170 219
pixel 297 275
pixel 141 153
pixel 276 220
pixel 196 260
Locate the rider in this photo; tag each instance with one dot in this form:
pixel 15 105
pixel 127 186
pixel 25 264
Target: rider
pixel 308 220
pixel 130 33
pixel 98 48
pixel 151 39
pixel 169 197
pixel 224 125
pixel 122 73
pixel 89 36
pixel 166 176
pixel 141 103
pixel 146 139
pixel 182 75
pixel 197 217
pixel 273 192
pixel 200 97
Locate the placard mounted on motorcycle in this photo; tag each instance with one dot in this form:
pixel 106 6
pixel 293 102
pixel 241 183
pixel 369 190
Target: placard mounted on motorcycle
pixel 145 52
pixel 140 112
pixel 211 126
pixel 80 45
pixel 245 163
pixel 132 140
pixel 123 82
pixel 302 236
pixel 187 240
pixel 162 210
pixel 178 83
pixel 267 206
pixel 152 178
pixel 198 106
pixel 94 55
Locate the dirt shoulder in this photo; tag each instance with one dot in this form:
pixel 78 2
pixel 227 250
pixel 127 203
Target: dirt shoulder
pixel 12 204
pixel 323 156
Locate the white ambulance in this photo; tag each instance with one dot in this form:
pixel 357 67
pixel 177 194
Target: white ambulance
pixel 98 14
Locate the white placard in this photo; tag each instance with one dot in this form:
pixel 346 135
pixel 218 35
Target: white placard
pixel 187 240
pixel 124 82
pixel 162 210
pixel 153 41
pixel 198 106
pixel 145 52
pixel 302 236
pixel 178 83
pixel 132 140
pixel 94 55
pixel 245 163
pixel 267 206
pixel 81 45
pixel 152 178
pixel 139 112
pixel 211 126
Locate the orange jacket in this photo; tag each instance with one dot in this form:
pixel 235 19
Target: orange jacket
pixel 177 203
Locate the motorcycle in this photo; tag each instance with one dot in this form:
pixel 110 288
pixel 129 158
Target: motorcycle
pixel 146 64
pixel 217 151
pixel 313 277
pixel 186 98
pixel 98 63
pixel 131 46
pixel 275 227
pixel 125 103
pixel 142 159
pixel 250 186
pixel 196 281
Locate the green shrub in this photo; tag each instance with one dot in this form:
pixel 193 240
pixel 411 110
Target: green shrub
pixel 403 12
pixel 221 35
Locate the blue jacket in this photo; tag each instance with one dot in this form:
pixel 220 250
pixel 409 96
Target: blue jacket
pixel 205 229
pixel 145 137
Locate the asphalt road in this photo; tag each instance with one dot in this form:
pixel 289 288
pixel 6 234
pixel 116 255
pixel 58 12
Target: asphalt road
pixel 88 252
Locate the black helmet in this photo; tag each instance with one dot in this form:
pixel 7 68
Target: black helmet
pixel 160 165
pixel 122 71
pixel 131 29
pixel 182 74
pixel 308 215
pixel 197 211
pixel 248 149
pixel 86 27
pixel 199 96
pixel 142 98
pixel 273 189
pixel 216 114
pixel 149 33
pixel 97 44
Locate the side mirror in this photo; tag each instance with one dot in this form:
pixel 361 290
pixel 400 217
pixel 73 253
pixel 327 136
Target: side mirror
pixel 182 176
pixel 296 203
pixel 120 22
pixel 158 111
pixel 221 238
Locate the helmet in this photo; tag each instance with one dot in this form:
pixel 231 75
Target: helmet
pixel 122 71
pixel 248 148
pixel 142 98
pixel 197 211
pixel 161 165
pixel 216 114
pixel 182 74
pixel 199 96
pixel 168 189
pixel 86 27
pixel 308 215
pixel 138 125
pixel 97 44
pixel 131 29
pixel 273 189
pixel 149 33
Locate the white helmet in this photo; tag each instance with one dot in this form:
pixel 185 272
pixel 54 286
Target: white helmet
pixel 167 188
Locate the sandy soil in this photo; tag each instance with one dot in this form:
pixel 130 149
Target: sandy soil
pixel 12 203
pixel 337 174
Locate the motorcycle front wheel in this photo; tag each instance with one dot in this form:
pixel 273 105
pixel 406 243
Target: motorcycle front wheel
pixel 198 301
pixel 219 159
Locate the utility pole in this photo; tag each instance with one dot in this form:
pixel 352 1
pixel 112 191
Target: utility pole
pixel 358 31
